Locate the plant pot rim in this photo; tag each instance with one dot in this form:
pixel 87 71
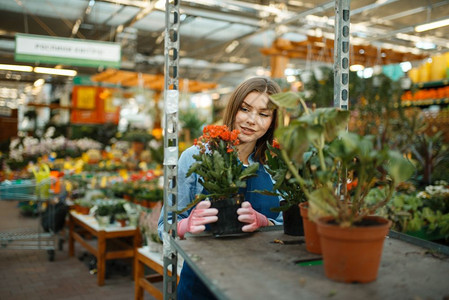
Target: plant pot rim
pixel 304 204
pixel 382 222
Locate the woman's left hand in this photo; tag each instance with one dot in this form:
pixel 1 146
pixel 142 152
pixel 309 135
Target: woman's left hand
pixel 247 214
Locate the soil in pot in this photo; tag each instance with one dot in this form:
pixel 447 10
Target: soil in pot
pixel 293 224
pixel 353 254
pixel 227 223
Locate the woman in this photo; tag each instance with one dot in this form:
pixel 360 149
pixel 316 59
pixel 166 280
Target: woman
pixel 250 111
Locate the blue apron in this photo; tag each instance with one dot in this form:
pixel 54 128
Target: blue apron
pixel 190 286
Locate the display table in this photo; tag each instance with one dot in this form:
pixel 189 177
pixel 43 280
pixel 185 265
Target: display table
pixel 257 267
pixel 106 236
pixel 154 260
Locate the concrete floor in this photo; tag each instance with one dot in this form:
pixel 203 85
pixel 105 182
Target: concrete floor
pixel 28 274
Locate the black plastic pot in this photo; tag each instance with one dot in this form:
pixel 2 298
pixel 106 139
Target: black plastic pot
pixel 293 221
pixel 228 223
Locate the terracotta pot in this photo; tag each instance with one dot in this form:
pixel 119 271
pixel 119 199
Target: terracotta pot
pixel 311 236
pixel 122 222
pixel 84 210
pixel 352 254
pixel 152 204
pixel 138 147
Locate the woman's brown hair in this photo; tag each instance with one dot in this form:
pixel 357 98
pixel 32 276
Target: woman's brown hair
pixel 260 85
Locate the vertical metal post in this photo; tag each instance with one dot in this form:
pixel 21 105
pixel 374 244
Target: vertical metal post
pixel 171 99
pixel 341 54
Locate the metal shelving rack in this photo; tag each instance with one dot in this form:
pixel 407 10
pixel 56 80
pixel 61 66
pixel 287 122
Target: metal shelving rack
pixel 171 97
pixel 341 54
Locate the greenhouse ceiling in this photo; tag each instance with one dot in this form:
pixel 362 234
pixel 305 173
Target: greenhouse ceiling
pixel 222 40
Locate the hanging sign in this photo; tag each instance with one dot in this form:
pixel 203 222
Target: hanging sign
pixel 66 51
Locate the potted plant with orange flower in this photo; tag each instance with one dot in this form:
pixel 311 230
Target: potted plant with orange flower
pixel 222 175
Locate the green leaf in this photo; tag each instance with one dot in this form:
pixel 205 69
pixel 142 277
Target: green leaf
pixel 265 192
pixel 399 168
pixel 287 99
pixel 211 187
pixel 293 139
pixel 322 203
pixel 331 119
pixel 250 171
pixel 193 168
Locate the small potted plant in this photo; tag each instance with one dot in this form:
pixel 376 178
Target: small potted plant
pixel 286 187
pixel 83 206
pixel 138 140
pixel 222 175
pixel 103 215
pixel 343 157
pixel 121 218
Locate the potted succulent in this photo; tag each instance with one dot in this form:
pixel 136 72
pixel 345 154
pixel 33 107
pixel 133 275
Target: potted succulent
pixel 222 175
pixel 343 157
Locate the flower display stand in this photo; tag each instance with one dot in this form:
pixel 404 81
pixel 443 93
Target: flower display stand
pixel 79 224
pixel 151 259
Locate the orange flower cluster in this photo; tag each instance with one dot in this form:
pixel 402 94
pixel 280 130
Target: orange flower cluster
pixel 276 144
pixel 213 134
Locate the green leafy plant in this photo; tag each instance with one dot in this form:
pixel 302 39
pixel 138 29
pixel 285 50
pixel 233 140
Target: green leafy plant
pixel 422 214
pixel 430 152
pixel 137 136
pixel 121 216
pixel 155 194
pixel 104 210
pixel 190 121
pixel 285 185
pixel 342 156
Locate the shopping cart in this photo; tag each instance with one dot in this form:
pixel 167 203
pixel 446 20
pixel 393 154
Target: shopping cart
pixel 39 193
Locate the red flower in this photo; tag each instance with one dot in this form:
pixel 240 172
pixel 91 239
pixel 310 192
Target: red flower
pixel 352 184
pixel 276 144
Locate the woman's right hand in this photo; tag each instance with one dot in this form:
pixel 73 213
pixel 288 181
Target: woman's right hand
pixel 201 215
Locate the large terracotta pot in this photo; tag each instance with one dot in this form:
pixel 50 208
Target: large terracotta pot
pixel 352 254
pixel 311 236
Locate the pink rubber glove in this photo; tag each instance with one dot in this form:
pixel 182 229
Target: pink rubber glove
pixel 247 214
pixel 201 215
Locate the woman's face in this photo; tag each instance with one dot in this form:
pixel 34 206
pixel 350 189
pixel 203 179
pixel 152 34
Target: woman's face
pixel 253 117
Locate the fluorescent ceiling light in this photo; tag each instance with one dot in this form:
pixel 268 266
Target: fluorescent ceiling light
pixel 16 68
pixel 433 25
pixel 63 72
pixel 39 82
pixel 355 68
pixel 425 45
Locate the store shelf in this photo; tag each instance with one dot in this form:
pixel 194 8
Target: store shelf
pixel 427 102
pixel 431 84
